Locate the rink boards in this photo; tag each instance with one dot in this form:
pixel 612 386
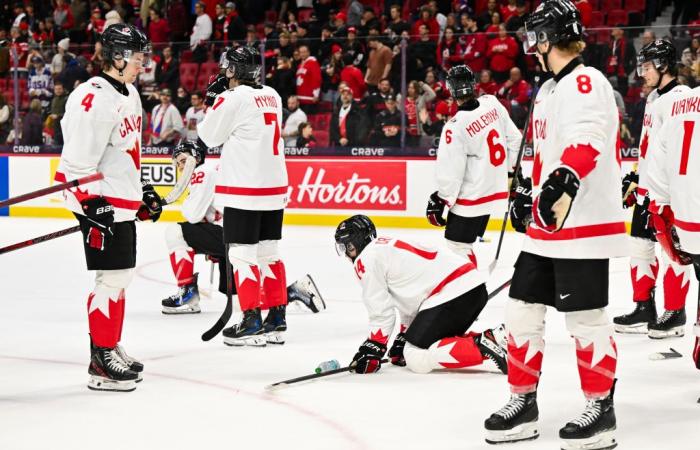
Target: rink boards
pixel 393 190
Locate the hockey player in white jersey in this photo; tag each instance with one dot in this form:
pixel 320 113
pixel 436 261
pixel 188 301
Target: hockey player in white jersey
pixel 657 65
pixel 478 149
pixel 673 170
pixel 577 226
pixel 251 189
pixel 102 133
pixel 437 293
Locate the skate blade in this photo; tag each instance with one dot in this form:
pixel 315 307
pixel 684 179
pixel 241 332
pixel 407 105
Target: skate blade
pixel 523 432
pixel 252 341
pixel 97 383
pixel 641 328
pixel 184 309
pixel 663 334
pixel 602 441
pixel 275 337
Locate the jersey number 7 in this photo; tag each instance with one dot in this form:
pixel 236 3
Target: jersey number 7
pixel 271 119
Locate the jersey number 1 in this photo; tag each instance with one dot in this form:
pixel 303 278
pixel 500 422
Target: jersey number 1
pixel 688 127
pixel 271 119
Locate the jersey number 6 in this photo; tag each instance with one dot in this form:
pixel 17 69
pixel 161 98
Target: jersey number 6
pixel 497 153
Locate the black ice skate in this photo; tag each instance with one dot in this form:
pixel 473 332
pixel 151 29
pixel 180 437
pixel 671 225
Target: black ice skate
pixel 637 321
pixel 185 301
pixel 670 324
pixel 305 291
pixel 248 332
pixel 492 345
pixel 594 429
pixel 275 325
pixel 516 421
pixel 134 365
pixel 108 372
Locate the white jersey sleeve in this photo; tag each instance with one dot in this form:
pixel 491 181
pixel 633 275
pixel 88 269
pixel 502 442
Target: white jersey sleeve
pixel 371 271
pixel 219 120
pixel 198 205
pixel 513 139
pixel 451 162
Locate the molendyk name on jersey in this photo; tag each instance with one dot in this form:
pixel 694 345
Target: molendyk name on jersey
pixel 482 122
pixel 541 129
pixel 686 105
pixel 131 124
pixel 265 101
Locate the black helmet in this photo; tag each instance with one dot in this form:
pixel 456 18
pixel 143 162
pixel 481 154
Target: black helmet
pixel 120 41
pixel 554 21
pixel 243 62
pixel 194 148
pixel 461 81
pixel 660 52
pixel 355 232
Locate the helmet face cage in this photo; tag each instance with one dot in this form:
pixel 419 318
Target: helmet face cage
pixel 245 71
pixel 123 42
pixel 660 53
pixel 554 21
pixel 354 234
pixel 128 55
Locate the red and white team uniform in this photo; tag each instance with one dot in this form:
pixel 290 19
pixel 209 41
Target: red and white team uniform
pixel 412 277
pixel 308 79
pixel 643 264
pixel 477 150
pixel 575 127
pixel 102 130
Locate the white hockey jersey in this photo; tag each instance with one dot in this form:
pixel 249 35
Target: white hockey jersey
pixel 656 111
pixel 477 150
pixel 102 133
pixel 575 125
pixel 199 204
pixel 674 166
pixel 410 277
pixel 252 172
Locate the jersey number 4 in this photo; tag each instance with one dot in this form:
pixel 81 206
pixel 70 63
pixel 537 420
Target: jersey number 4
pixel 87 102
pixel 271 119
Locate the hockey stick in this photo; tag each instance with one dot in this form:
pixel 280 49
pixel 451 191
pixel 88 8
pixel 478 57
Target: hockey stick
pixel 313 376
pixel 36 240
pixel 183 182
pixel 226 315
pixel 518 163
pixel 51 189
pixel 499 289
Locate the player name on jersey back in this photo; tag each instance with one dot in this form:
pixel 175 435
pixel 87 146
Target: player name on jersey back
pixel 482 122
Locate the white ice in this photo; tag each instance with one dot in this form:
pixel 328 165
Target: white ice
pixel 198 395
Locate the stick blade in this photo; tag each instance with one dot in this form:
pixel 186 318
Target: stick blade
pixel 220 324
pixel 275 387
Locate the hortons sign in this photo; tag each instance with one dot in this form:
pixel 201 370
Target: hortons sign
pixel 332 184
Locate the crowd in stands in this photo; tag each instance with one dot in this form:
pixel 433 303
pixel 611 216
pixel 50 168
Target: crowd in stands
pixel 350 72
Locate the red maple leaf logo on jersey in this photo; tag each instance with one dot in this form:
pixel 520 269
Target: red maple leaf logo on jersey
pixel 537 169
pixel 581 158
pixel 135 153
pixel 644 145
pixel 378 336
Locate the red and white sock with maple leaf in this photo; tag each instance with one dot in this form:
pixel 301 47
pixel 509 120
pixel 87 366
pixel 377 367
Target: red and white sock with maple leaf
pixel 274 284
pixel 456 352
pixel 597 361
pixel 643 273
pixel 105 307
pixel 676 285
pixel 524 363
pixel 247 278
pixel 182 263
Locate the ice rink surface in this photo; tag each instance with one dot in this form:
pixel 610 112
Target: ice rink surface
pixel 198 395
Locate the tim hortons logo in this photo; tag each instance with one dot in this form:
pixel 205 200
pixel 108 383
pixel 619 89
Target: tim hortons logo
pixel 347 185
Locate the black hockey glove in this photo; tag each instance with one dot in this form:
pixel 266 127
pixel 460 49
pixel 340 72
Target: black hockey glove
pixel 396 350
pixel 551 208
pixel 100 215
pixel 217 85
pixel 152 205
pixel 521 206
pixel 629 189
pixel 368 358
pixel 435 209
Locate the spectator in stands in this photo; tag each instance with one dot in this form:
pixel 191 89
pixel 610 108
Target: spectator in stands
pixel 648 37
pixel 194 115
pixel 440 18
pixel 486 85
pixel 97 58
pixel 434 128
pixel 636 114
pixel 330 72
pixel 58 62
pixel 387 125
pixel 19 14
pixel 449 52
pixel 425 52
pixel 158 28
pixel 32 125
pixel 441 91
pixel 353 77
pixel 474 45
pixel 95 26
pixel 81 14
pixel 75 72
pixel 620 59
pixel 492 29
pixel 515 94
pixel 124 8
pixel 167 70
pixel 397 25
pixel 182 101
pixel 517 20
pixel 426 18
pixel 340 23
pixel 21 47
pixel 6 117
pixel 284 47
pixel 355 10
pixel 166 121
pixel 40 83
pixel 586 11
pixel 306 137
pixel 509 10
pixel 501 54
pixel 418 95
pixel 348 122
pixel 308 80
pixel 57 110
pixel 484 19
pixel 282 78
pixel 201 33
pixel 353 47
pixel 234 27
pixel 369 21
pixel 375 102
pixel 325 43
pixel 295 117
pixel 63 16
pixel 219 20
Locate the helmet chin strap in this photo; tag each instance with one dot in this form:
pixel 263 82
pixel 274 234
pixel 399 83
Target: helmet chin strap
pixel 545 57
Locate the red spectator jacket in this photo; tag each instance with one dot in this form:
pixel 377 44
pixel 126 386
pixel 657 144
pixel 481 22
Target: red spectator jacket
pixel 433 29
pixel 507 13
pixel 519 93
pixel 489 88
pixel 356 80
pixel 159 31
pixel 586 11
pixel 505 60
pixel 455 51
pixel 474 48
pixel 309 81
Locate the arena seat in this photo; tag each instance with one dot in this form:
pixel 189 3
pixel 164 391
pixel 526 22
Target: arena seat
pixel 617 17
pixel 206 70
pixel 188 75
